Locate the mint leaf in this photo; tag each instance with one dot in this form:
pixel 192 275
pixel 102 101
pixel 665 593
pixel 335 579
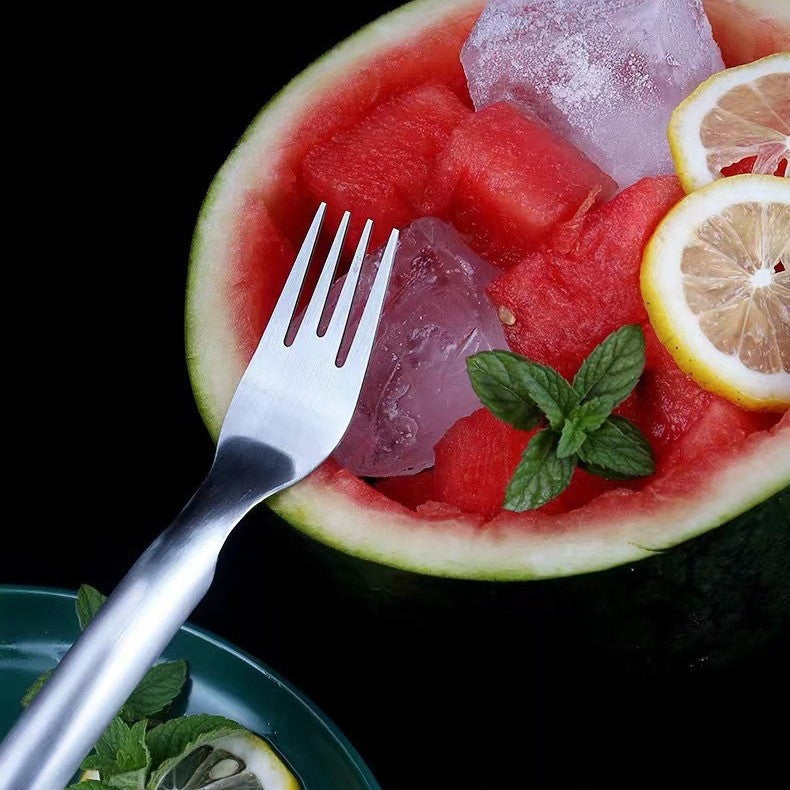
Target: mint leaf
pixel 540 476
pixel 496 379
pixel 550 392
pixel 172 738
pixel 571 438
pixel 121 756
pixel 585 418
pixel 613 367
pixel 158 688
pixel 35 687
pixel 617 449
pixel 89 601
pixel 591 414
pixel 92 784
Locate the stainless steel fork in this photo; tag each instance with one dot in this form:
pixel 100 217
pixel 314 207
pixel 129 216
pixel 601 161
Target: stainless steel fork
pixel 290 411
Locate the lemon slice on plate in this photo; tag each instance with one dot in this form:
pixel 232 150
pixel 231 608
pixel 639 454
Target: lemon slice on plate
pixel 234 761
pixel 227 760
pixel 738 113
pixel 716 284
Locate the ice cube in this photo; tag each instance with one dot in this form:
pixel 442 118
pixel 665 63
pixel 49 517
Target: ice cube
pixel 605 74
pixel 436 314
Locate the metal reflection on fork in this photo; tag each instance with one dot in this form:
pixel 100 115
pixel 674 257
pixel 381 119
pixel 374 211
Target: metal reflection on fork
pixel 290 410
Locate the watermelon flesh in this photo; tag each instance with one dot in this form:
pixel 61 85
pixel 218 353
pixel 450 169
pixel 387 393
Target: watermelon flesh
pixel 476 459
pixel 584 282
pixel 379 168
pixel 411 491
pixel 504 180
pixel 256 214
pixel 605 74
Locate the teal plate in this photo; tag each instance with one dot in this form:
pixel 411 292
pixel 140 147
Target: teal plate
pixel 37 626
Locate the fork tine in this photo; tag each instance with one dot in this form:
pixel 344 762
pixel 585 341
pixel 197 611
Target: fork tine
pixel 337 324
pixel 359 353
pixel 315 309
pixel 282 315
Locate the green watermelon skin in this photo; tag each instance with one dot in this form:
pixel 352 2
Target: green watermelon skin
pixel 711 602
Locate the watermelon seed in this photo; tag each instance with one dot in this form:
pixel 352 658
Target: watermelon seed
pixel 780 267
pixel 506 316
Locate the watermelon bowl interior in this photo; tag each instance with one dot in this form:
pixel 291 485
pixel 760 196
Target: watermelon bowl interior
pixel 691 565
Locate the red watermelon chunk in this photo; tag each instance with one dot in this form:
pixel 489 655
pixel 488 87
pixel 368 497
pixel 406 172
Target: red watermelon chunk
pixel 379 168
pixel 505 180
pixel 476 459
pixel 474 462
pixel 410 490
pixel 264 256
pixel 565 301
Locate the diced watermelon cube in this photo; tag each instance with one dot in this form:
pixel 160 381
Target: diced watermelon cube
pixel 410 490
pixel 565 301
pixel 505 180
pixel 378 169
pixel 475 460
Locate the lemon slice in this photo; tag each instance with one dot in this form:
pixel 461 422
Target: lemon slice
pixel 738 113
pixel 716 284
pixel 233 761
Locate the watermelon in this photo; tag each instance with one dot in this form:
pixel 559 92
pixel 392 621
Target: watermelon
pixel 505 180
pixel 409 490
pixel 476 459
pixel 720 461
pixel 584 282
pixel 350 172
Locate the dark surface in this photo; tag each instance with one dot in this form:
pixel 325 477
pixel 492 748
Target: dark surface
pixel 115 156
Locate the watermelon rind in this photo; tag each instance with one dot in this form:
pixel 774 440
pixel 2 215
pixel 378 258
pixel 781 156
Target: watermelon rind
pixel 338 510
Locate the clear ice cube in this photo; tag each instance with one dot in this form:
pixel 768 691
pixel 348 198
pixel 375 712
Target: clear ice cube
pixel 436 314
pixel 605 74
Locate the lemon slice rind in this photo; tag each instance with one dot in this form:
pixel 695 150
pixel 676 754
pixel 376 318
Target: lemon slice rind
pixel 688 152
pixel 677 327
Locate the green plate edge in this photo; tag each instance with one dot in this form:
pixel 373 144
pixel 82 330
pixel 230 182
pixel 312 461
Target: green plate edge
pixel 329 761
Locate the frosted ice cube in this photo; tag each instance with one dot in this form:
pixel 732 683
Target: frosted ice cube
pixel 605 74
pixel 436 314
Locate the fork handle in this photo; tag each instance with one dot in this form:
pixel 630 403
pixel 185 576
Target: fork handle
pixel 96 676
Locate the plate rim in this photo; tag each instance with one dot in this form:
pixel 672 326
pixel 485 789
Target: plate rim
pixel 242 655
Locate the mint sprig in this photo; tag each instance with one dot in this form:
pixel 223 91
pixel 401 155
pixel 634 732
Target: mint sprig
pixel 540 476
pixel 619 448
pixel 160 685
pixel 121 756
pixel 136 751
pixel 581 427
pixel 497 380
pixel 89 601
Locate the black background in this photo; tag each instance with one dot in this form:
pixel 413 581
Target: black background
pixel 125 130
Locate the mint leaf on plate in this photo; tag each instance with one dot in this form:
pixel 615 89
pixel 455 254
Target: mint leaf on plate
pixel 158 688
pixel 613 367
pixel 89 601
pixel 171 738
pixel 121 756
pixel 617 449
pixel 496 379
pixel 92 784
pixel 35 687
pixel 540 476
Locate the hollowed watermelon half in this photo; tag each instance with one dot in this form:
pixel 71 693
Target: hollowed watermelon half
pixel 400 79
